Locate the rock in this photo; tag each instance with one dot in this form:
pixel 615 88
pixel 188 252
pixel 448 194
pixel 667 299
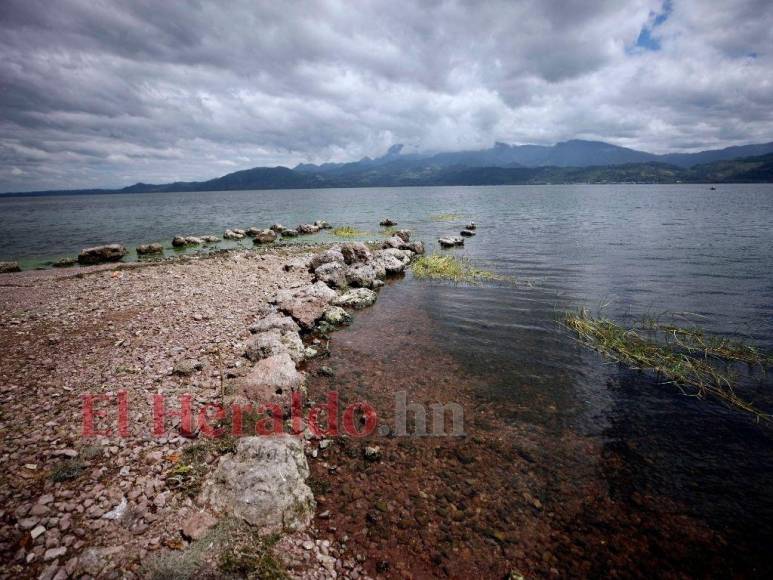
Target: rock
pixel 271 377
pixel 97 254
pixel 252 231
pixel 372 453
pixel 394 242
pixel 65 262
pixel 263 483
pixel 37 531
pixel 233 235
pixel 7 267
pixel 265 236
pixel 323 225
pixel 467 233
pixel 197 525
pixel 392 260
pixel 416 247
pixel 307 304
pixel 450 242
pixel 273 342
pixel 179 241
pixel 332 274
pixel 274 320
pixel 336 316
pixel 118 511
pixel 278 228
pixel 386 222
pixel 307 229
pixel 94 560
pixel 404 235
pixel 193 241
pixel 289 233
pixel 326 371
pixel 239 232
pixel 354 252
pixel 210 239
pixel 332 255
pixel 361 275
pixel 186 367
pixel 54 553
pixel 144 249
pixel 471 226
pixel 356 298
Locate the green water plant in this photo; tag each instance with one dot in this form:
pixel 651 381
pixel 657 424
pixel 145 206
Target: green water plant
pixel 451 268
pixel 348 232
pixel 686 358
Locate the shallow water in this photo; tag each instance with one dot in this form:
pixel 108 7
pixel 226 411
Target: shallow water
pixel 676 251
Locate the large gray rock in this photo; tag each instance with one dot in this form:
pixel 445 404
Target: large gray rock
pixel 278 228
pixel 97 254
pixel 6 267
pixel 265 236
pixel 394 242
pixel 233 235
pixel 404 235
pixel 392 260
pixel 336 316
pixel 144 249
pixel 252 231
pixel 451 241
pixel 210 239
pixel 307 229
pixel 273 342
pixel 332 274
pixel 270 380
pixel 364 275
pixel 416 247
pixel 332 255
pixel 323 225
pixel 287 233
pixel 274 320
pixel 263 483
pixel 356 298
pixel 467 233
pixel 354 252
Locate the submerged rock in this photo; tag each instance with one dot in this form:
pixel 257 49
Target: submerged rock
pixel 97 254
pixel 263 483
pixel 337 316
pixel 451 241
pixel 6 267
pixel 356 298
pixel 144 249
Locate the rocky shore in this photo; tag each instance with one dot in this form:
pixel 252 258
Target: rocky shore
pixel 97 350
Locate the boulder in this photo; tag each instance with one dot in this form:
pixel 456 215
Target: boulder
pixel 274 320
pixel 194 240
pixel 471 226
pixel 323 225
pixel 332 273
pixel 144 249
pixel 264 484
pixel 196 526
pixel 404 235
pixel 364 275
pixel 65 262
pixel 289 233
pixel 392 260
pixel 306 305
pixel 356 298
pixel 210 239
pixel 265 237
pixel 336 316
pixel 332 255
pixel 416 247
pixel 252 232
pixel 179 241
pixel 394 242
pixel 273 342
pixel 232 235
pixel 386 222
pixel 270 380
pixel 97 254
pixel 354 252
pixel 467 233
pixel 308 229
pixel 278 228
pixel 6 267
pixel 451 241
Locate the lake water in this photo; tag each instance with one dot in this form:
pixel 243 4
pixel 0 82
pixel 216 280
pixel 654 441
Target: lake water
pixel 675 252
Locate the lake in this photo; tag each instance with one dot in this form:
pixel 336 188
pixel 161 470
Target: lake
pixel 672 252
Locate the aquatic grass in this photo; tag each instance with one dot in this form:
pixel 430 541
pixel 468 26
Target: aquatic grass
pixel 693 370
pixel 445 217
pixel 348 232
pixel 452 268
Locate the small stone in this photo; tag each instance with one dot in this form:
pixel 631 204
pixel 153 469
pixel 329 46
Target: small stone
pixel 197 526
pixel 53 553
pixel 372 453
pixel 37 531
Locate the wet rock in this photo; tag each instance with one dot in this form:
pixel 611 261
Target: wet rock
pixel 355 252
pixel 467 233
pixel 289 233
pixel 323 225
pixel 332 273
pixel 265 237
pixel 197 525
pixel 307 229
pixel 416 247
pixel 263 483
pixel 273 342
pixel 278 228
pixel 98 254
pixel 252 231
pixel 144 249
pixel 386 222
pixel 336 316
pixel 471 226
pixel 179 241
pixel 193 241
pixel 361 275
pixel 451 241
pixel 332 255
pixel 210 239
pixel 356 298
pixel 233 235
pixel 65 262
pixel 7 267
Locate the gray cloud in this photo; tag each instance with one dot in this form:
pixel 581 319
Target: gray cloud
pixel 110 93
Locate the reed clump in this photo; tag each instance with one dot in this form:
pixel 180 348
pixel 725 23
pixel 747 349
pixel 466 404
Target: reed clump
pixel 348 232
pixel 687 358
pixel 452 268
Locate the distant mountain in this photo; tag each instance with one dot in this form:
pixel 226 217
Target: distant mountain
pixel 567 162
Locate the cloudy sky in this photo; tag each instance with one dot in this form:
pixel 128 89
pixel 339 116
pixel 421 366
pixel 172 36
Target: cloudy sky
pixel 108 93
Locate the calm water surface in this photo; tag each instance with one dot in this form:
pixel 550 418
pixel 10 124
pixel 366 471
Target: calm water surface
pixel 676 251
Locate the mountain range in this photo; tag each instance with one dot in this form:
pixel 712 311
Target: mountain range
pixel 572 161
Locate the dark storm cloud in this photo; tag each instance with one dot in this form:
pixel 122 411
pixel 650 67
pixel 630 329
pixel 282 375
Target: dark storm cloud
pixel 109 93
